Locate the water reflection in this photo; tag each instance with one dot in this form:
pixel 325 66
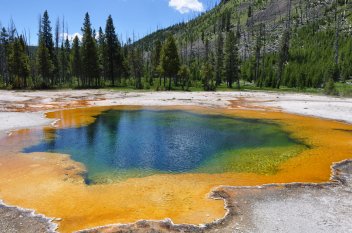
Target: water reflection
pixel 142 142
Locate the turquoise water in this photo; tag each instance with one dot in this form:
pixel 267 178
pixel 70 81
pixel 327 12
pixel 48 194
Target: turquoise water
pixel 122 143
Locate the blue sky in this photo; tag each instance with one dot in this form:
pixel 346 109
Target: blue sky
pixel 130 16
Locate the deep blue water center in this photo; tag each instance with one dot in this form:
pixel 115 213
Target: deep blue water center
pixel 141 142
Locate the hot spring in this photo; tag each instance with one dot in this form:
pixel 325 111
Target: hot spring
pixel 106 165
pixel 121 144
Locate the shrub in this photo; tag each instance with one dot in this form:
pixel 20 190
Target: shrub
pixel 330 88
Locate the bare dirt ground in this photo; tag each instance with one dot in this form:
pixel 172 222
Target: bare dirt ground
pixel 271 208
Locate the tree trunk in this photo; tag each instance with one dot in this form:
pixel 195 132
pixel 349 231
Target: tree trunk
pixel 170 80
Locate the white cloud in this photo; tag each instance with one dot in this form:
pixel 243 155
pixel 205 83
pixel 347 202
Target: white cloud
pixel 71 36
pixel 185 6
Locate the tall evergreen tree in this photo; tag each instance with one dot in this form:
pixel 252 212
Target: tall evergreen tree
pixel 102 59
pixel 257 52
pixel 170 61
pixel 206 49
pixel 284 48
pixel 184 74
pixel 47 37
pixel 64 56
pixel 44 63
pixel 228 21
pixel 46 31
pixel 126 71
pixel 113 52
pixel 90 68
pixel 231 61
pixel 283 57
pixel 219 59
pixel 76 60
pixel 19 63
pixel 67 48
pixel 207 73
pixel 156 60
pixel 4 44
pixel 58 79
pixel 136 66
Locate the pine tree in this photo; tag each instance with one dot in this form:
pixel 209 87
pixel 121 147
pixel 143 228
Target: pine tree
pixel 170 61
pixel 206 50
pixel 102 58
pixel 4 44
pixel 228 21
pixel 207 73
pixel 284 48
pixel 249 11
pixel 19 63
pixel 67 48
pixel 47 33
pixel 58 79
pixel 24 70
pixel 156 60
pixel 90 68
pixel 283 57
pixel 76 60
pixel 44 63
pixel 64 55
pixel 184 74
pixel 47 37
pixel 126 71
pixel 219 60
pixel 113 52
pixel 258 48
pixel 231 61
pixel 136 66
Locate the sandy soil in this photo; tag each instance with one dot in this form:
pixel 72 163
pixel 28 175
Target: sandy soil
pixel 297 208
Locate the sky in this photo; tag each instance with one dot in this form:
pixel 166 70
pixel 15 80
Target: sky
pixel 138 17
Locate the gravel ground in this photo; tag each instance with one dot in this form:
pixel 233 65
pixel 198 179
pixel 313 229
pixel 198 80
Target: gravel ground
pixel 324 208
pixel 16 220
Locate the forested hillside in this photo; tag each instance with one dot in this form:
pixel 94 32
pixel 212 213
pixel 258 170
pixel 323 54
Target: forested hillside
pixel 298 44
pixel 260 43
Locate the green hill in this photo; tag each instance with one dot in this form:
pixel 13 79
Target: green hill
pixel 320 44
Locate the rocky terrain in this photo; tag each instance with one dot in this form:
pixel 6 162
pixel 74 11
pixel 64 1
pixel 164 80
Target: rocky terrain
pixel 17 220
